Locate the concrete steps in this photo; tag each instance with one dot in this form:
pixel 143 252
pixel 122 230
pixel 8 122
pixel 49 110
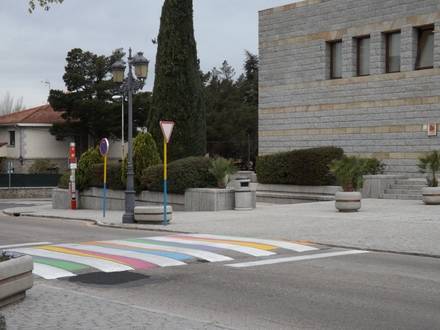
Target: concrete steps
pixel 405 189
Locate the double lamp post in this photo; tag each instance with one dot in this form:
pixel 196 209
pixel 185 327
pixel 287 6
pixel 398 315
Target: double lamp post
pixel 130 85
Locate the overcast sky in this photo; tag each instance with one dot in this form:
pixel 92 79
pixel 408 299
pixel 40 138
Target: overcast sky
pixel 33 47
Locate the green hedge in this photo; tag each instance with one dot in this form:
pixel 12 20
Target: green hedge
pixel 307 167
pixel 191 172
pixel 114 180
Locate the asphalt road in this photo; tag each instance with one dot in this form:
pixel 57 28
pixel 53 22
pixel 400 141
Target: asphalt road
pixel 366 291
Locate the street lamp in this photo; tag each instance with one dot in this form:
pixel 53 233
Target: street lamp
pixel 130 85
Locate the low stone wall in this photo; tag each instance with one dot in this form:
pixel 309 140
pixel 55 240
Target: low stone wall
pixel 92 199
pixel 26 192
pixel 291 194
pixel 375 185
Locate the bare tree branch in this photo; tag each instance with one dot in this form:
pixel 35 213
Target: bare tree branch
pixel 45 4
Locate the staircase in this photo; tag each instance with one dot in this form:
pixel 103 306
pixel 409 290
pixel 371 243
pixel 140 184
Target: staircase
pixel 407 189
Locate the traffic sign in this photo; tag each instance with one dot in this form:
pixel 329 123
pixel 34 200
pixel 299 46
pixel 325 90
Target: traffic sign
pixel 103 147
pixel 167 129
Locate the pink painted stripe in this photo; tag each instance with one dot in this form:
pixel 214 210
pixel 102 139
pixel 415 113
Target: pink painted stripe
pixel 135 263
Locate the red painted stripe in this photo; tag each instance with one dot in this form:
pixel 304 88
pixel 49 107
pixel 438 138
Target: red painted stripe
pixel 135 263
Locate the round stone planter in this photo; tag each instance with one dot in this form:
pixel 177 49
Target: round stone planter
pixel 431 195
pixel 348 201
pixel 15 278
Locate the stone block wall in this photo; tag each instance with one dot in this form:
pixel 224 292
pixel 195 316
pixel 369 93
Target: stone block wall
pixel 380 115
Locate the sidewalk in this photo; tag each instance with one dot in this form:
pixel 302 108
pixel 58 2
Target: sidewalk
pixel 385 225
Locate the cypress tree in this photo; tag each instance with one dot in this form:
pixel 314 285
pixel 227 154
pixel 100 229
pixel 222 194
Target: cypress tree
pixel 178 91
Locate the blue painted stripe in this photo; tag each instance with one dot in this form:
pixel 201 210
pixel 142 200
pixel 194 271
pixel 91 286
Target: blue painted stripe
pixel 173 255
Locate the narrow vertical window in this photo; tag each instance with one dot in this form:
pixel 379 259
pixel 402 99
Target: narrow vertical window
pixel 363 56
pixel 393 52
pixel 336 59
pixel 425 48
pixel 12 138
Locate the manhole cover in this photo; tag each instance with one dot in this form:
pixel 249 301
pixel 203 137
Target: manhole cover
pixel 108 278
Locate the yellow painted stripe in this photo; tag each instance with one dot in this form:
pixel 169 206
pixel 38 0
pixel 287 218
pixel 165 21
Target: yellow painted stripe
pixel 259 246
pixel 80 254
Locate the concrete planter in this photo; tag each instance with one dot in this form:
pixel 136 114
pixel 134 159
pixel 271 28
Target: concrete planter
pixel 431 195
pixel 209 199
pixel 348 201
pixel 15 279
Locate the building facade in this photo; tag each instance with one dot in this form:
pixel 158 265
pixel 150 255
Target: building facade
pixel 25 138
pixel 363 75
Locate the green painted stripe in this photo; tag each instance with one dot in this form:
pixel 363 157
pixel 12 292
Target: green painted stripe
pixel 66 265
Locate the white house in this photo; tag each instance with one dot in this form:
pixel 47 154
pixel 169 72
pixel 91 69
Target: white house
pixel 25 138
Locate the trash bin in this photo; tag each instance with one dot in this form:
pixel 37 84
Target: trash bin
pixel 243 195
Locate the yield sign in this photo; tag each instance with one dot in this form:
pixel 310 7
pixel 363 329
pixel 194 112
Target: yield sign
pixel 167 129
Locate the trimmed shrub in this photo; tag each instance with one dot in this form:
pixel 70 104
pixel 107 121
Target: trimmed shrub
pixel 43 166
pixel 307 167
pixel 113 176
pixel 145 154
pixel 63 181
pixel 191 172
pixel 85 173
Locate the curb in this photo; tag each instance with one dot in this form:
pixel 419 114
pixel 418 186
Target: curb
pixel 349 247
pixel 95 222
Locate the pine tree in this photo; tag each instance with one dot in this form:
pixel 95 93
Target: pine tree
pixel 178 92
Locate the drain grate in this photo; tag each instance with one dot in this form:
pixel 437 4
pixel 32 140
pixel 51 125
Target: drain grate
pixel 108 278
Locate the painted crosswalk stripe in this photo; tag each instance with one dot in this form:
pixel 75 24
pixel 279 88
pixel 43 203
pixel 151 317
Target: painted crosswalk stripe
pixel 134 263
pixel 50 273
pixel 154 259
pixel 280 244
pixel 200 254
pixel 297 258
pixel 172 255
pixel 100 264
pixel 242 249
pixel 23 245
pixel 66 265
pixel 255 245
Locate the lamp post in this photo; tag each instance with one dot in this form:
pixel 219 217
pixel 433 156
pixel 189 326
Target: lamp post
pixel 130 85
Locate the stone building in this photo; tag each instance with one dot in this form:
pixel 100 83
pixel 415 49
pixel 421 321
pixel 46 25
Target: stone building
pixel 360 74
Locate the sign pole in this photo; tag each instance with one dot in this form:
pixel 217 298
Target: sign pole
pixel 167 129
pixel 105 187
pixel 165 184
pixel 72 185
pixel 103 149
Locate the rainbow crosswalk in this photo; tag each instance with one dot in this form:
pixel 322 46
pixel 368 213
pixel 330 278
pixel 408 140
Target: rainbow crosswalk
pixel 66 260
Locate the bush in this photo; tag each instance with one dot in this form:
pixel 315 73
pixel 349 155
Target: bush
pixel 349 171
pixel 113 176
pixel 191 172
pixel 43 166
pixel 63 181
pixel 85 173
pixel 307 167
pixel 221 169
pixel 145 154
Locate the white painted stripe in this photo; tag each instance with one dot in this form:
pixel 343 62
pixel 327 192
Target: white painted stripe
pixel 200 254
pixel 103 265
pixel 24 244
pixel 151 258
pixel 242 249
pixel 49 272
pixel 297 258
pixel 281 244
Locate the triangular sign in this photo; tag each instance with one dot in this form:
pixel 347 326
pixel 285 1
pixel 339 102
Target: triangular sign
pixel 167 129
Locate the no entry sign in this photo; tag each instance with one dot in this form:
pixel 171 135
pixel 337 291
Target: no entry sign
pixel 103 147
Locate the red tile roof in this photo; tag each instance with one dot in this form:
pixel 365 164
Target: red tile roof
pixel 43 114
